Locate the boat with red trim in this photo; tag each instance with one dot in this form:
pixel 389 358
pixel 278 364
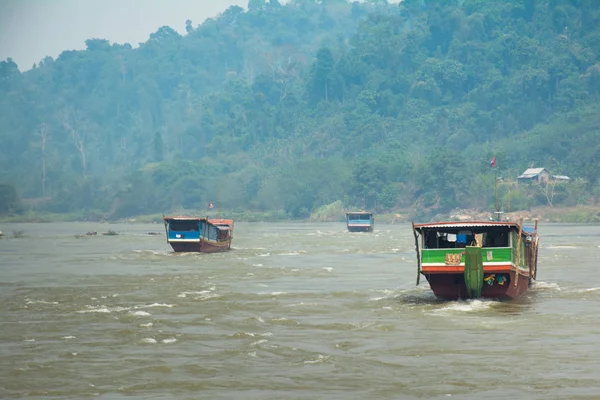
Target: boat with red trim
pixel 193 234
pixel 477 259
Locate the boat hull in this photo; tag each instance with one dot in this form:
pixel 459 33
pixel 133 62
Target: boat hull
pixel 199 247
pixel 360 228
pixel 452 286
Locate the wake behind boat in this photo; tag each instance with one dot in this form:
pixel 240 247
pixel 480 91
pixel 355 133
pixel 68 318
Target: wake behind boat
pixel 487 259
pixel 193 234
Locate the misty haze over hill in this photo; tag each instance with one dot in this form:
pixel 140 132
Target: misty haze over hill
pixel 31 29
pixel 289 108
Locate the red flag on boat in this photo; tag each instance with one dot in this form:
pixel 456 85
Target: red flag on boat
pixel 493 162
pixel 211 205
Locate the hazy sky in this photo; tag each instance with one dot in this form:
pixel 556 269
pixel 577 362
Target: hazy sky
pixel 33 29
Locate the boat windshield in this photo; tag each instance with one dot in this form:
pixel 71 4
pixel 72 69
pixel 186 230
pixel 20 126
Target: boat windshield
pixel 183 226
pixel 365 217
pixel 433 239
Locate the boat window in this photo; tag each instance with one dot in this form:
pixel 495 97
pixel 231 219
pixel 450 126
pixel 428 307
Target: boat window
pixel 446 240
pixel 364 217
pixel 222 234
pixel 183 226
pixel 495 239
pixel 429 240
pixel 460 239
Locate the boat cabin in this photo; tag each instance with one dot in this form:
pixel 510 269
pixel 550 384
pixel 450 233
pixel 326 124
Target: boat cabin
pixel 457 238
pixel 192 229
pixel 361 221
pixel 224 228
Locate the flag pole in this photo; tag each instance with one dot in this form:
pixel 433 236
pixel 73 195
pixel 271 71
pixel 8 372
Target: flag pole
pixel 496 203
pixel 219 201
pixel 508 205
pixel 496 191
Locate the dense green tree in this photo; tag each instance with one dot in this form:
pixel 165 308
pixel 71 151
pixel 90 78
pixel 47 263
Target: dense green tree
pixel 323 82
pixel 278 103
pixel 9 200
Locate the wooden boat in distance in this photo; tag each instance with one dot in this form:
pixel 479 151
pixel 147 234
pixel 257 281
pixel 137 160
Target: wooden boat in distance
pixel 193 234
pixel 487 259
pixel 360 221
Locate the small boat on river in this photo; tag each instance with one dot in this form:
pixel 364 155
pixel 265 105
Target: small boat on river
pixel 360 221
pixel 193 234
pixel 477 259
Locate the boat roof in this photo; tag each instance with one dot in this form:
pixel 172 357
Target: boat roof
pixel 184 218
pixel 223 224
pixel 219 221
pixel 473 224
pixel 466 224
pixel 529 230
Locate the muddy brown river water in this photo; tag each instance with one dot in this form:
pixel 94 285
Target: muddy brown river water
pixel 294 311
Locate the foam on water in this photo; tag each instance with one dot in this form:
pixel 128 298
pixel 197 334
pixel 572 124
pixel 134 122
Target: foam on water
pixel 293 253
pixel 587 290
pixel 93 309
pixel 27 301
pixel 152 252
pixel 207 296
pixel 154 305
pixel 387 294
pixel 466 306
pixel 261 341
pixel 303 304
pixel 539 285
pixel 200 294
pixel 320 359
pixel 140 313
pixel 272 293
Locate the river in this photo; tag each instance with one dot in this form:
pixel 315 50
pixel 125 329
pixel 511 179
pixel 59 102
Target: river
pixel 293 311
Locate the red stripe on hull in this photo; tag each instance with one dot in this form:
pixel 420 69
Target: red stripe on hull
pixel 452 287
pixel 453 269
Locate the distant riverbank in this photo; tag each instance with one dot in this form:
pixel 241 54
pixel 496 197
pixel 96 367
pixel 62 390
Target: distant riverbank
pixel 579 214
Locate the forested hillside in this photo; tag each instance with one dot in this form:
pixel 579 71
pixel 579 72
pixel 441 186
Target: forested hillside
pixel 286 108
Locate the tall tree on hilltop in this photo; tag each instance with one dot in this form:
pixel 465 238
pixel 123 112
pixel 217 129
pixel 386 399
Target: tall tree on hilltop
pixel 323 81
